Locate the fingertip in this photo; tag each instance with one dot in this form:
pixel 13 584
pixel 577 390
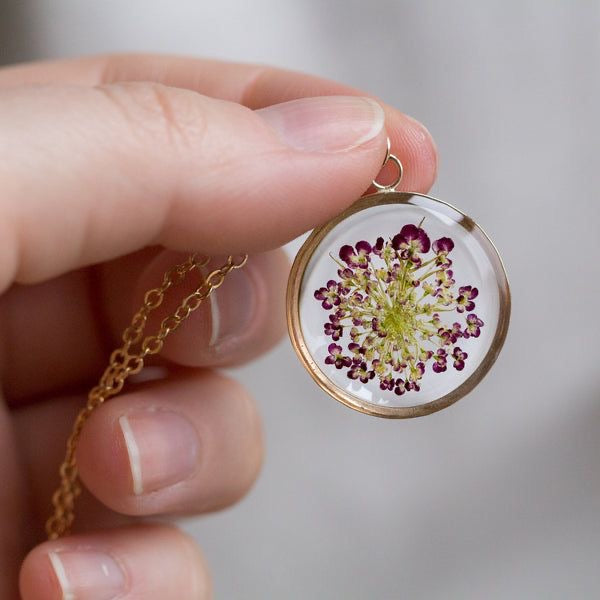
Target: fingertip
pixel 184 170
pixel 66 569
pixel 326 124
pixel 37 579
pixel 148 561
pixel 192 444
pixel 241 319
pixel 414 145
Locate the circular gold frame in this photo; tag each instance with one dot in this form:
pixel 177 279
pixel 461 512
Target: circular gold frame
pixel 295 328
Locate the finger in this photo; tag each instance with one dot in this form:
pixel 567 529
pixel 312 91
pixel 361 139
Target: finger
pixel 244 83
pixel 133 105
pixel 252 85
pixel 229 439
pixel 125 563
pixel 241 320
pixel 172 167
pixel 40 456
pixel 188 444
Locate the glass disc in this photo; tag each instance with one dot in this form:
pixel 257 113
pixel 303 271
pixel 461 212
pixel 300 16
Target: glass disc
pixel 399 306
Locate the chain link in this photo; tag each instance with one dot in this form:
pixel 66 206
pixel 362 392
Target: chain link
pixel 126 361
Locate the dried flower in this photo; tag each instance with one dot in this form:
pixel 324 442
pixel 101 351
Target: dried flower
pixel 389 300
pixel 329 295
pixel 336 357
pixel 474 324
pixel 459 358
pixel 466 297
pixel 358 257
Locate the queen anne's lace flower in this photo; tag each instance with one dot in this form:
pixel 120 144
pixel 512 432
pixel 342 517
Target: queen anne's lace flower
pixel 389 300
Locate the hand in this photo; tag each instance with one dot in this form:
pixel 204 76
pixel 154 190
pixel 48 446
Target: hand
pixel 110 168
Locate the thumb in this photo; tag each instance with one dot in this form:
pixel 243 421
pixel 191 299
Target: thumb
pixel 94 173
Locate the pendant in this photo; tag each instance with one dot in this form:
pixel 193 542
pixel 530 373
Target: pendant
pixel 399 306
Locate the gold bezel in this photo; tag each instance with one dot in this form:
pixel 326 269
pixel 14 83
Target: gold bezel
pixel 295 327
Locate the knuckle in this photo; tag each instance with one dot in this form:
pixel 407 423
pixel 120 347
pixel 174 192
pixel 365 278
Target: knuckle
pixel 161 113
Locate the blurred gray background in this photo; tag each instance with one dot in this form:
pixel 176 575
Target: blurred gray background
pixel 499 496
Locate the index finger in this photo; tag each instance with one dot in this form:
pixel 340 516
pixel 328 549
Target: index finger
pixel 252 85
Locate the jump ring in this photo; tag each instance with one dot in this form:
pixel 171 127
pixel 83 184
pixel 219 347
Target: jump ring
pixel 392 186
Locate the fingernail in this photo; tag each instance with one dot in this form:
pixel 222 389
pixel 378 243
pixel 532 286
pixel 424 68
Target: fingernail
pixel 88 574
pixel 162 447
pixel 325 123
pixel 232 308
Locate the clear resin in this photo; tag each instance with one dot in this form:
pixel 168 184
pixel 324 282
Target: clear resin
pixel 401 303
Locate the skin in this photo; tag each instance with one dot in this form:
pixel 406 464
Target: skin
pixel 111 168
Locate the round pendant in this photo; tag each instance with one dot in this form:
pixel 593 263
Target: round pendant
pixel 399 306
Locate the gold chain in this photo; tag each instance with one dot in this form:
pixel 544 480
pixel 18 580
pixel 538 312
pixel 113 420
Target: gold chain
pixel 126 361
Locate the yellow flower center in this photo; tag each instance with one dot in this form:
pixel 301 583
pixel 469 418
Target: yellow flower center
pixel 399 322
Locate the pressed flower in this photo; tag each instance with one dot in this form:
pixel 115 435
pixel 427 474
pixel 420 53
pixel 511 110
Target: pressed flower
pixel 387 383
pixel 361 372
pixel 399 387
pixel 336 357
pixel 465 299
pixel 459 358
pixel 449 336
pixel 357 256
pixel 329 295
pixel 444 278
pixel 443 245
pixel 392 298
pixel 333 328
pixel 411 240
pixel 412 386
pixel 474 325
pixel 439 361
pixel 445 296
pixel 355 349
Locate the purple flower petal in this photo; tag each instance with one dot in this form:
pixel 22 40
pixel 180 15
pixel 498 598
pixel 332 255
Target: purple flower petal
pixel 468 292
pixel 320 294
pixel 443 245
pixel 398 240
pixel 378 247
pixel 400 387
pixel 363 247
pixel 412 232
pixel 346 253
